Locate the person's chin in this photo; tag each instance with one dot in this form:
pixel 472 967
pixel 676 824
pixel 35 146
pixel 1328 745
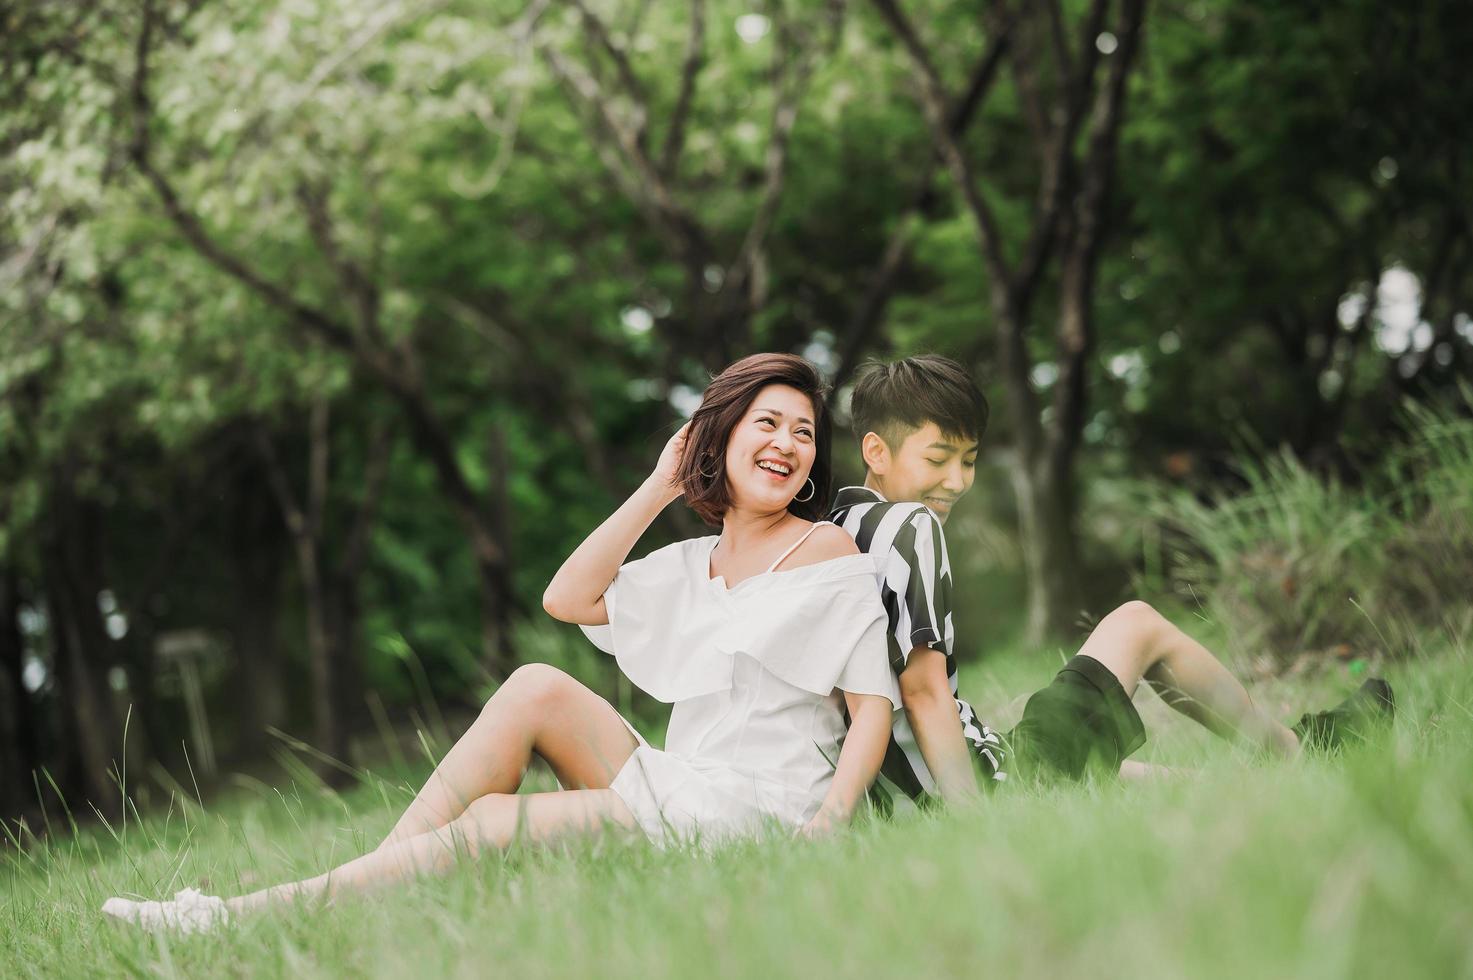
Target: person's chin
pixel 941 510
pixel 759 497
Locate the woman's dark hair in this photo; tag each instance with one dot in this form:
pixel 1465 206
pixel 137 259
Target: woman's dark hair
pixel 702 473
pixel 895 399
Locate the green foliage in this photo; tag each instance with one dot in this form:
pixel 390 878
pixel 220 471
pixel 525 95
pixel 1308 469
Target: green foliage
pixel 1299 562
pixel 1272 173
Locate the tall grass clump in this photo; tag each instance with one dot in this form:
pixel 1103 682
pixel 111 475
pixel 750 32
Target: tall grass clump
pixel 1300 563
pixel 1430 556
pixel 1279 563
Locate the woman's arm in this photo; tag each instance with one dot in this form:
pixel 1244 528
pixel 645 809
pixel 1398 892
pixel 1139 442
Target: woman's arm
pixel 859 761
pixel 576 592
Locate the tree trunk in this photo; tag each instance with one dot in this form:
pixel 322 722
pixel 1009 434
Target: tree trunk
pixel 141 723
pixel 497 598
pixel 304 523
pixel 1051 555
pixel 19 746
pixel 343 613
pixel 256 556
pixel 80 650
pixel 497 601
pixel 327 731
pixel 1045 485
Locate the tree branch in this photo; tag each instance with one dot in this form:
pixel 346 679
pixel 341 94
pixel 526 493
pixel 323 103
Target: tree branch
pixel 871 310
pixel 1076 322
pixel 1025 79
pixel 318 456
pixel 361 290
pixel 1099 166
pixel 934 104
pixel 789 94
pixel 1057 170
pixel 375 469
pixel 384 18
pixel 628 80
pixel 539 376
pixel 643 183
pixel 690 69
pixel 189 225
pixel 292 513
pixel 1059 42
pixel 870 313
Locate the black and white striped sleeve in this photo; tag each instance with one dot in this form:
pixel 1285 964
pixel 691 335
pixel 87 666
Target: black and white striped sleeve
pixel 926 596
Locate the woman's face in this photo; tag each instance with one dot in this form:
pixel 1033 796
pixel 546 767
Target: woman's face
pixel 771 450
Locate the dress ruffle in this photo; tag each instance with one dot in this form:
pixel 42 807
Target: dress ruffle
pixel 815 627
pixel 659 627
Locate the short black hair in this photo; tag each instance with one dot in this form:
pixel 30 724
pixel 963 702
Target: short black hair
pixel 893 399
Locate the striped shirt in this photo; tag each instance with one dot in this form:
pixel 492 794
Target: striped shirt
pixel 909 549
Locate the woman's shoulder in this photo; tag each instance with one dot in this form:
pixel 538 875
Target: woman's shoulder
pixel 824 543
pixel 677 559
pixel 678 550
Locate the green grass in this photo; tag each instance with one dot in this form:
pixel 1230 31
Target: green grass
pixel 1355 866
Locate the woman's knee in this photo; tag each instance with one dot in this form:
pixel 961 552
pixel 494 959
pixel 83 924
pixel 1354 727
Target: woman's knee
pixel 534 684
pixel 487 821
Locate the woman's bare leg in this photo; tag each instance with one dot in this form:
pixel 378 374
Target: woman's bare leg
pixel 540 710
pixel 1137 643
pixel 491 821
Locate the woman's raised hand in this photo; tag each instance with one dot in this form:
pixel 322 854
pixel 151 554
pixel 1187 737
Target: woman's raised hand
pixel 669 463
pixel 576 592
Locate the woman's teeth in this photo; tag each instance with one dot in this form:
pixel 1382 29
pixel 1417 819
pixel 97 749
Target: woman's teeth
pixel 776 468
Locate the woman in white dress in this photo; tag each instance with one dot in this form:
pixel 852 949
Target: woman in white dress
pixel 761 637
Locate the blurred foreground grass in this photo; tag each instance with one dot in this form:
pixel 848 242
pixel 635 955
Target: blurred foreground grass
pixel 1355 866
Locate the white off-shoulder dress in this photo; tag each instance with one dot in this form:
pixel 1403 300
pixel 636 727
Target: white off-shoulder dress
pixel 755 674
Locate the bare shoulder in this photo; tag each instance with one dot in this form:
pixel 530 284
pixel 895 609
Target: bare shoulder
pixel 827 541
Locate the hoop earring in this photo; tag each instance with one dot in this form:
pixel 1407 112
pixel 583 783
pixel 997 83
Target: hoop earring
pixel 701 471
pixel 812 489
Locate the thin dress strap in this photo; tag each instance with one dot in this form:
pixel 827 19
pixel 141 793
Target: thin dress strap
pixel 796 544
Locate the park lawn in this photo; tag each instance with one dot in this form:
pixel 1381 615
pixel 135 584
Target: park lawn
pixel 1360 865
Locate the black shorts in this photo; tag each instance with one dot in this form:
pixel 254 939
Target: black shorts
pixel 1081 721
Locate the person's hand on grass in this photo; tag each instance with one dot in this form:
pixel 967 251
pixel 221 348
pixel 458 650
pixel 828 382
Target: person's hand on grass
pixel 822 825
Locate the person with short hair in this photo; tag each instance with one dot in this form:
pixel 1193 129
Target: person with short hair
pixel 768 640
pixel 919 421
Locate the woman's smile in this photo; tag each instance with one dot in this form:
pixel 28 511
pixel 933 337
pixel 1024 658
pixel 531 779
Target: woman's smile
pixel 775 468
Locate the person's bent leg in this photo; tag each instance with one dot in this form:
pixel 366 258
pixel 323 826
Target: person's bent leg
pixel 1137 643
pixel 493 821
pixel 540 710
pixel 1141 772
